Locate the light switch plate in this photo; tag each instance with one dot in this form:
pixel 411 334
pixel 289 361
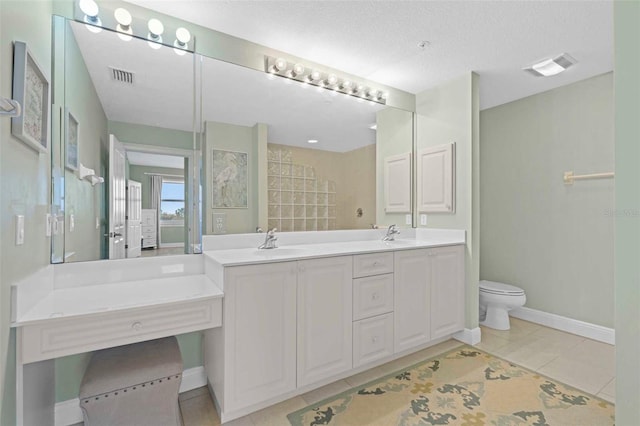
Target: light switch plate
pixel 19 229
pixel 219 223
pixel 423 219
pixel 407 219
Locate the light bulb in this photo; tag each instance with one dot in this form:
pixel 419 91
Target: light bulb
pixel 89 8
pixel 297 70
pixel 314 76
pixel 123 17
pixel 183 36
pixel 280 64
pixel 332 79
pixel 155 28
pixel 346 86
pixel 373 94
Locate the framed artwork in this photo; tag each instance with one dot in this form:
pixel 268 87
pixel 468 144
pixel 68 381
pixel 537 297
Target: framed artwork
pixel 230 179
pixel 31 89
pixel 71 154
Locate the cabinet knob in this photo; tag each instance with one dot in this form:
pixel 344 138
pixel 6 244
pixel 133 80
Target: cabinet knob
pixel 374 339
pixel 376 263
pixel 374 296
pixel 136 325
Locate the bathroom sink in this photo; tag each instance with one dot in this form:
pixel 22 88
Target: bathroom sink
pixel 279 252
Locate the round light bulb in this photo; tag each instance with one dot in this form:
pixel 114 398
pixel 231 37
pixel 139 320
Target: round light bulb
pixel 346 85
pixel 373 94
pixel 155 27
pixel 298 69
pixel 280 64
pixel 315 76
pixel 332 79
pixel 123 17
pixel 89 7
pixel 183 35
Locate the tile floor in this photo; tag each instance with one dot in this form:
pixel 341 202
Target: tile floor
pixel 574 360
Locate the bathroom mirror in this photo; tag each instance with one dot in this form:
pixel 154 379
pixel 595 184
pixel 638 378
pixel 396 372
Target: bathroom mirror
pixel 278 153
pixel 128 154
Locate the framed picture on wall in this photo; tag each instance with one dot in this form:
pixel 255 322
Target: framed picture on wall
pixel 230 179
pixel 71 142
pixel 31 89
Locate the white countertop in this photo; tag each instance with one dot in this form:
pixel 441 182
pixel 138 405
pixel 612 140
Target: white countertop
pixel 248 256
pixel 92 299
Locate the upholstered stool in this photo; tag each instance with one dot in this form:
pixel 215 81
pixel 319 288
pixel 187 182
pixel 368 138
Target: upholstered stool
pixel 133 385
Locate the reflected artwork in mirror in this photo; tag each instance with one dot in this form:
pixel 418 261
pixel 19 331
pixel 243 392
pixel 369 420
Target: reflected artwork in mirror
pixel 133 185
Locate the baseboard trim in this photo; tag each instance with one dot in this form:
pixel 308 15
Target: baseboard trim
pixel 69 412
pixel 580 328
pixel 470 336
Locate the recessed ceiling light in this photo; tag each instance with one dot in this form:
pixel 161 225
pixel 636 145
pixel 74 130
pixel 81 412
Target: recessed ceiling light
pixel 550 67
pixel 312 141
pixel 373 127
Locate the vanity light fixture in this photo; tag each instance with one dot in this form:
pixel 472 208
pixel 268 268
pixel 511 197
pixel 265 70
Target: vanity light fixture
pixel 155 33
pixel 91 10
pixel 123 17
pixel 298 72
pixel 549 67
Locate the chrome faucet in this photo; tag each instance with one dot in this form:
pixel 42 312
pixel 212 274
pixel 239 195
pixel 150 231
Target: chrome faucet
pixel 270 240
pixel 391 233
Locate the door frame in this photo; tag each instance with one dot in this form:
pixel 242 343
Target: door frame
pixel 191 178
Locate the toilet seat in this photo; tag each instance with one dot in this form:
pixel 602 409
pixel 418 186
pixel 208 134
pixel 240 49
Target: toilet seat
pixel 492 287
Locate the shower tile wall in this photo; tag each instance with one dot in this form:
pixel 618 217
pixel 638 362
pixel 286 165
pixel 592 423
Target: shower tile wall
pixel 298 200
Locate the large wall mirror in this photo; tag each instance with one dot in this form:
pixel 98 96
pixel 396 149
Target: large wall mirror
pixel 127 152
pixel 281 154
pixel 159 146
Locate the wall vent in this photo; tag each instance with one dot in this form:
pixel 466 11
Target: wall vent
pixel 121 75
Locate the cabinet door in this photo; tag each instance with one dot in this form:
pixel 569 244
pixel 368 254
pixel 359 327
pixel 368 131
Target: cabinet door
pixel 260 333
pixel 447 290
pixel 436 180
pixel 411 299
pixel 324 318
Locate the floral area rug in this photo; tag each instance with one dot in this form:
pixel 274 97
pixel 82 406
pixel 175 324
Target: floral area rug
pixel 462 387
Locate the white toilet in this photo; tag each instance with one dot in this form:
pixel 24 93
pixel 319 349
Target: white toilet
pixel 496 300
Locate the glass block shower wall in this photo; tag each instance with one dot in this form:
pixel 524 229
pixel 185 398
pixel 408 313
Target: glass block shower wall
pixel 298 200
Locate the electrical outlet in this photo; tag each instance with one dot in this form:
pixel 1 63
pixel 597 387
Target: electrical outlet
pixel 407 219
pixel 19 229
pixel 423 219
pixel 219 223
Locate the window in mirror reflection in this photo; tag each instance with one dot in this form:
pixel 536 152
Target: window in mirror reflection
pixel 172 204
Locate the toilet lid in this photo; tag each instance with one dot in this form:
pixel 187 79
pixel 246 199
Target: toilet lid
pixel 500 288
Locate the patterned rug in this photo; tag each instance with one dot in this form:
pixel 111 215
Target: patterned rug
pixel 462 387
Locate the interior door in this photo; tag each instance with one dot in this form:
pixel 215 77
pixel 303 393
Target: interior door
pixel 117 199
pixel 134 218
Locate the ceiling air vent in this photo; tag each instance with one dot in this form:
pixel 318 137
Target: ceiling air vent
pixel 121 75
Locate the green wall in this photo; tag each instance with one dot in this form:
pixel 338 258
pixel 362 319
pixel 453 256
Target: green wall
pixel 230 137
pixel 25 183
pixel 553 240
pixel 627 231
pixel 149 135
pixel 450 113
pixel 82 200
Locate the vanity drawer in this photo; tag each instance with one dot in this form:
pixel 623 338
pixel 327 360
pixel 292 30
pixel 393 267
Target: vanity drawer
pixel 372 296
pixel 372 264
pixel 372 339
pixel 65 336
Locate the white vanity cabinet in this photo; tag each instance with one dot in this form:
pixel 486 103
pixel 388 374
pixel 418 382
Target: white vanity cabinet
pixel 428 295
pixel 447 281
pixel 254 354
pixel 324 318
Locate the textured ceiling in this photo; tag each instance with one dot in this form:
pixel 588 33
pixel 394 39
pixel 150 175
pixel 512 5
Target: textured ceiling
pixel 379 40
